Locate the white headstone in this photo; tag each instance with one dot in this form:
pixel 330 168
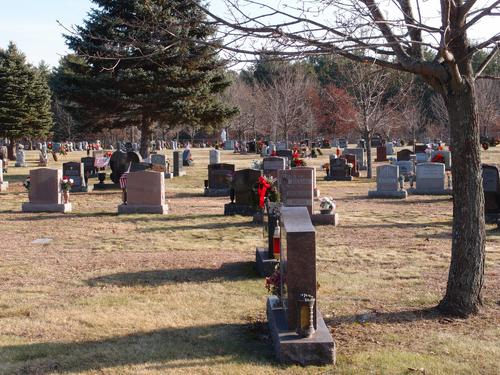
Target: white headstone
pixel 389 147
pixel 431 177
pixel 214 157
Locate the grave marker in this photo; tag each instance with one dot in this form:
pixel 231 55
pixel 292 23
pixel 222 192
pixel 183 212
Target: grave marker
pixel 145 194
pixel 45 194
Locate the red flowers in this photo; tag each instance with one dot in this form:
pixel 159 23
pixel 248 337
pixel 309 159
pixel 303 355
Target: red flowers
pixel 262 190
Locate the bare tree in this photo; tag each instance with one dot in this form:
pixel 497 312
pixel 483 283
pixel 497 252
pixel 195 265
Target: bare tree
pixel 395 33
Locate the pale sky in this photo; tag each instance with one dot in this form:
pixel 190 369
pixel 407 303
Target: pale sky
pixel 32 25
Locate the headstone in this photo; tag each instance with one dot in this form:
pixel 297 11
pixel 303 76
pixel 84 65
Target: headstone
pixel 315 187
pixel 272 164
pixel 4 185
pixel 360 156
pixel 160 164
pixel 389 148
pixel 339 170
pixel 243 182
pixel 119 164
pixel 288 154
pixel 342 143
pixel 420 148
pixel 45 192
pixel 406 168
pixel 404 155
pixel 491 187
pixel 351 159
pixel 280 146
pixel 387 183
pixel 296 187
pixel 298 264
pixel 381 154
pixel 430 179
pixel 229 145
pixel 187 159
pixel 214 156
pixel 74 171
pixel 219 176
pixel 422 157
pixel 89 168
pixel 145 194
pixel 446 156
pixel 20 157
pixel 178 164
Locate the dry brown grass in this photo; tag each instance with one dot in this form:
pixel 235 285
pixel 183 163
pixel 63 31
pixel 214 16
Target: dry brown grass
pixel 177 293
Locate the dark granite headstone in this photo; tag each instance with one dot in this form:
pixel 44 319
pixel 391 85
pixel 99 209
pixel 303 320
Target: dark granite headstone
pixel 74 171
pixel 491 187
pixel 178 164
pixel 119 164
pixel 187 158
pixel 420 148
pixel 350 158
pixel 88 166
pixel 218 175
pixel 339 170
pixel 404 155
pixel 243 182
pixel 381 153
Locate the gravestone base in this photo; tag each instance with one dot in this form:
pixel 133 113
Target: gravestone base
pixel 325 219
pixel 211 192
pixel 400 194
pixel 20 164
pixel 100 186
pixel 142 209
pixel 415 191
pixel 338 178
pixel 169 175
pixel 265 265
pixel 180 174
pixel 82 189
pixel 239 209
pixel 290 348
pixel 492 218
pixel 4 186
pixel 46 207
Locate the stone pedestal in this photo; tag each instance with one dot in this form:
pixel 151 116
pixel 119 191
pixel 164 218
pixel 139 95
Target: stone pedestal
pixel 399 194
pixel 46 207
pixel 211 192
pixel 290 348
pixel 239 209
pixel 104 186
pixel 325 219
pixel 265 266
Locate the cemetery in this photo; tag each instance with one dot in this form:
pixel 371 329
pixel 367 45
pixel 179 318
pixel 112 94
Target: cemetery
pixel 115 277
pixel 249 187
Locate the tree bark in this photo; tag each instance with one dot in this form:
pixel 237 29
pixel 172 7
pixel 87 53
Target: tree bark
pixel 146 131
pixel 368 139
pixel 466 274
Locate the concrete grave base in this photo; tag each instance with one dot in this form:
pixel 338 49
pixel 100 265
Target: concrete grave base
pixel 19 165
pixel 414 191
pixel 265 265
pixel 400 194
pixel 290 348
pixel 338 178
pixel 142 209
pixel 180 174
pixel 100 186
pixel 210 192
pixel 325 219
pixel 46 207
pixel 4 186
pixel 239 209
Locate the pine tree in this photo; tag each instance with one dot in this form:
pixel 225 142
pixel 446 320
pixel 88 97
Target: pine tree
pixel 137 63
pixel 24 98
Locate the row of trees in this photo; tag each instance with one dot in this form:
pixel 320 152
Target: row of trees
pixel 25 98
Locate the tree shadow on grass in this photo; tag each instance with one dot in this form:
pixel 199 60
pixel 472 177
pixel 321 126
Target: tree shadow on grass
pixel 228 271
pixel 393 317
pixel 401 226
pixel 202 226
pixel 170 217
pixel 39 216
pixel 169 348
pixel 187 194
pixel 405 202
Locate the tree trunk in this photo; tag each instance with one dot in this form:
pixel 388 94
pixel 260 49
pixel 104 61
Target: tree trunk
pixel 368 139
pixel 11 155
pixel 146 131
pixel 466 274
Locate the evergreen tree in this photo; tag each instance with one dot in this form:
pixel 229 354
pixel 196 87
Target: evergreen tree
pixel 143 63
pixel 24 98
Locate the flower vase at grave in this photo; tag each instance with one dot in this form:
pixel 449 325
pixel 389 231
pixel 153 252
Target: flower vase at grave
pixel 101 176
pixel 66 196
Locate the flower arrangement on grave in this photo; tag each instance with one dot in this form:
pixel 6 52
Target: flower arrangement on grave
pixel 27 183
pixel 108 154
pixel 66 183
pixel 266 187
pixel 438 158
pixel 256 164
pixel 327 204
pixel 297 161
pixel 273 282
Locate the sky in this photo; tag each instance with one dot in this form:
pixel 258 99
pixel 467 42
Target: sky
pixel 32 25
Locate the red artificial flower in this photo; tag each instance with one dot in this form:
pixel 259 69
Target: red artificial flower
pixel 262 190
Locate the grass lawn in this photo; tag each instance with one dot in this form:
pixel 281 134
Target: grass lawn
pixel 152 294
